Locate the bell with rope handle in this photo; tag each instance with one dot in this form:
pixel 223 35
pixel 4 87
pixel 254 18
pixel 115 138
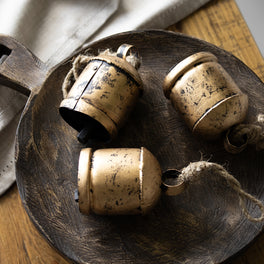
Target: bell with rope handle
pixel 206 95
pixel 120 181
pixel 126 181
pixel 103 95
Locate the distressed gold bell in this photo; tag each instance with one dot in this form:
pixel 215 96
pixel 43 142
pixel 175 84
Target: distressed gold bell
pixel 101 98
pixel 118 181
pixel 205 94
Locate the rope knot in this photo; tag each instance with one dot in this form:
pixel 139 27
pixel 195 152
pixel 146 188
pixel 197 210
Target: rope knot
pixel 239 136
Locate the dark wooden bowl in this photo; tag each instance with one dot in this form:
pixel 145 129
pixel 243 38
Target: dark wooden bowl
pixel 202 225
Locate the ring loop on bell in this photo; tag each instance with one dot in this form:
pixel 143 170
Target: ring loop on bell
pixel 232 148
pixel 172 189
pixel 124 49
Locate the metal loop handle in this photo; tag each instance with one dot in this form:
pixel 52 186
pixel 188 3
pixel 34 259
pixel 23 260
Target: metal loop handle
pixel 123 50
pixel 172 189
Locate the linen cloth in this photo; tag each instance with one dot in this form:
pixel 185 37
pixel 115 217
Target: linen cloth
pixel 53 29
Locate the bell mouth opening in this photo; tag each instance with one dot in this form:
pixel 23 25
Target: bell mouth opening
pixel 88 128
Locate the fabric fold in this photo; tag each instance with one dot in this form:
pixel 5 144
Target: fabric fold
pixel 155 14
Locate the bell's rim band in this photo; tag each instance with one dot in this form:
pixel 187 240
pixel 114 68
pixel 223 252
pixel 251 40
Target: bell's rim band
pixel 84 180
pixel 123 50
pixel 238 96
pixel 150 190
pixel 141 173
pixel 99 116
pixel 211 109
pixel 186 64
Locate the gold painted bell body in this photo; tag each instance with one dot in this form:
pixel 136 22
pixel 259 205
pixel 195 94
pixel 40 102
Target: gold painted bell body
pixel 206 95
pixel 103 95
pixel 118 181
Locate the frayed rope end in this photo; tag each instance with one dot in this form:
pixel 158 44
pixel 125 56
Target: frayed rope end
pixel 196 170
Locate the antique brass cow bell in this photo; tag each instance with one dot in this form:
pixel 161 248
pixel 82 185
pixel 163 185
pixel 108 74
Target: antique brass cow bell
pixel 205 95
pixel 118 181
pixel 101 98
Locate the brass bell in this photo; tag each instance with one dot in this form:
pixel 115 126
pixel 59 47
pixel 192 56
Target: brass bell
pixel 118 181
pixel 103 95
pixel 205 95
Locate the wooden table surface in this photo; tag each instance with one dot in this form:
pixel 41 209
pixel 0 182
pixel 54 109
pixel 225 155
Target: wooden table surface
pixel 218 22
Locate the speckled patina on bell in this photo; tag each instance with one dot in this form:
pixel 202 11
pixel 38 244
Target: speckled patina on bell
pixel 118 181
pixel 206 95
pixel 104 94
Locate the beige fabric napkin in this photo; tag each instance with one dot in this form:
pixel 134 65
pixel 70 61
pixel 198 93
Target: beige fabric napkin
pixel 45 27
pixel 53 29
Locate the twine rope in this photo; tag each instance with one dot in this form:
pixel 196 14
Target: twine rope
pixel 196 170
pixel 241 135
pixel 78 64
pixel 251 133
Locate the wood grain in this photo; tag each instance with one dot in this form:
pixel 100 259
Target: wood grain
pixel 17 232
pixel 22 62
pixel 20 242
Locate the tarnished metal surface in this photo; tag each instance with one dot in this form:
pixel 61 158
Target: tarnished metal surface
pixel 102 96
pixel 118 181
pixel 206 95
